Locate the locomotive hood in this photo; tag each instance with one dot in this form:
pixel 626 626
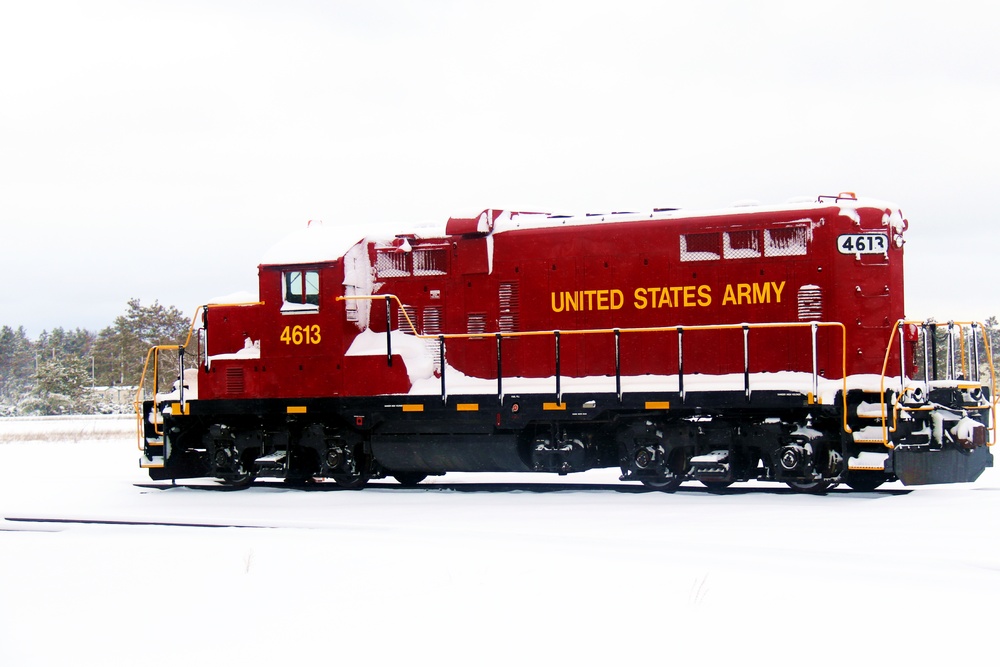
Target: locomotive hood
pixel 318 242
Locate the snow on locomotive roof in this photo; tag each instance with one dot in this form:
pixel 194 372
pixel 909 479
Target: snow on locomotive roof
pixel 316 242
pixel 848 208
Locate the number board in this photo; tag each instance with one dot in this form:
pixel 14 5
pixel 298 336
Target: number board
pixel 862 244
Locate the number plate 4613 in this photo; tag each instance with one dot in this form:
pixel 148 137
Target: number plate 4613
pixel 862 244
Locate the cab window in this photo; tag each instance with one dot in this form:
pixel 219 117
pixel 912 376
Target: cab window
pixel 300 290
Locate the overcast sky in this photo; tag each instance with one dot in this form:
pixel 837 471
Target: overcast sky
pixel 157 149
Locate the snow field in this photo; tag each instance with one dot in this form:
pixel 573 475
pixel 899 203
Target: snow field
pixel 576 576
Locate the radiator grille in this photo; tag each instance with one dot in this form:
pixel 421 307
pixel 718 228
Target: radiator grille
pixel 234 381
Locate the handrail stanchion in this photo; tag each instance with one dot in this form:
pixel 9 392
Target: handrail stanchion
pixel 156 371
pixel 902 359
pixel 680 363
pixel 618 364
pixel 813 328
pixel 933 346
pixel 974 372
pixel 499 369
pixel 388 328
pixel 180 388
pixel 444 394
pixel 558 385
pixel 950 363
pixel 924 329
pixel 746 360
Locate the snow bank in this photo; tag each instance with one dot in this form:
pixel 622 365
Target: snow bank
pixel 68 428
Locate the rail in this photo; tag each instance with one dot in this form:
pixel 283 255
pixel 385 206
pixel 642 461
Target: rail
pixel 967 368
pixel 558 335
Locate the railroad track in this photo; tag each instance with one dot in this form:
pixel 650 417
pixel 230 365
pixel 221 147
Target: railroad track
pixel 508 487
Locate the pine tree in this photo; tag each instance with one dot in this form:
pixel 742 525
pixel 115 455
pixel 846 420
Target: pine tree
pixel 62 386
pixel 17 366
pixel 120 350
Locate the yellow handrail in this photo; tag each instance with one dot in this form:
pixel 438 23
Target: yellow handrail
pixel 886 429
pixel 660 329
pixel 154 352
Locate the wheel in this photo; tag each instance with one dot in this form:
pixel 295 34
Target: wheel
pixel 351 482
pixel 241 480
pixel 662 484
pixel 863 480
pixel 715 485
pixel 821 486
pixel 409 478
pixel 360 478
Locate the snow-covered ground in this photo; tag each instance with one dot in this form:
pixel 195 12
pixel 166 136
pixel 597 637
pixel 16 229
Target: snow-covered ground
pixel 585 575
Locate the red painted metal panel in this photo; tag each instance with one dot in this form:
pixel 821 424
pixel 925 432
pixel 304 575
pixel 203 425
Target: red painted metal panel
pixel 752 266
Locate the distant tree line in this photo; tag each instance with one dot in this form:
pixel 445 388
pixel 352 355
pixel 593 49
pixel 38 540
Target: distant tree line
pixel 70 372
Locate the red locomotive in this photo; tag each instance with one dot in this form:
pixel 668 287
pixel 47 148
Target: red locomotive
pixel 753 343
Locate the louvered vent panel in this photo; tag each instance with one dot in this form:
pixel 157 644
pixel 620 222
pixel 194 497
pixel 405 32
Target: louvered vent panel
pixel 477 323
pixel 234 381
pixel 810 303
pixel 510 307
pixel 432 321
pixel 402 323
pixel 432 327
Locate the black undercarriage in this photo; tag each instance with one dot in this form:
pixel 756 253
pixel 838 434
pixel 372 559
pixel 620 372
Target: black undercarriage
pixel 660 440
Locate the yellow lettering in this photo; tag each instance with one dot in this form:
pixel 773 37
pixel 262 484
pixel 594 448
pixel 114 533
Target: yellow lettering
pixel 729 297
pixel 777 290
pixel 653 291
pixel 640 298
pixel 562 302
pixel 616 305
pixel 743 292
pixel 704 295
pixel 590 299
pixel 688 296
pixel 602 299
pixel 762 293
pixel 571 301
pixel 665 299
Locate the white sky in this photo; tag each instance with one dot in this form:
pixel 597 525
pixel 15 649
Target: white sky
pixel 157 149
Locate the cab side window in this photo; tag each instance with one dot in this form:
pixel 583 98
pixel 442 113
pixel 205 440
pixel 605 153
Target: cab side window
pixel 300 291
